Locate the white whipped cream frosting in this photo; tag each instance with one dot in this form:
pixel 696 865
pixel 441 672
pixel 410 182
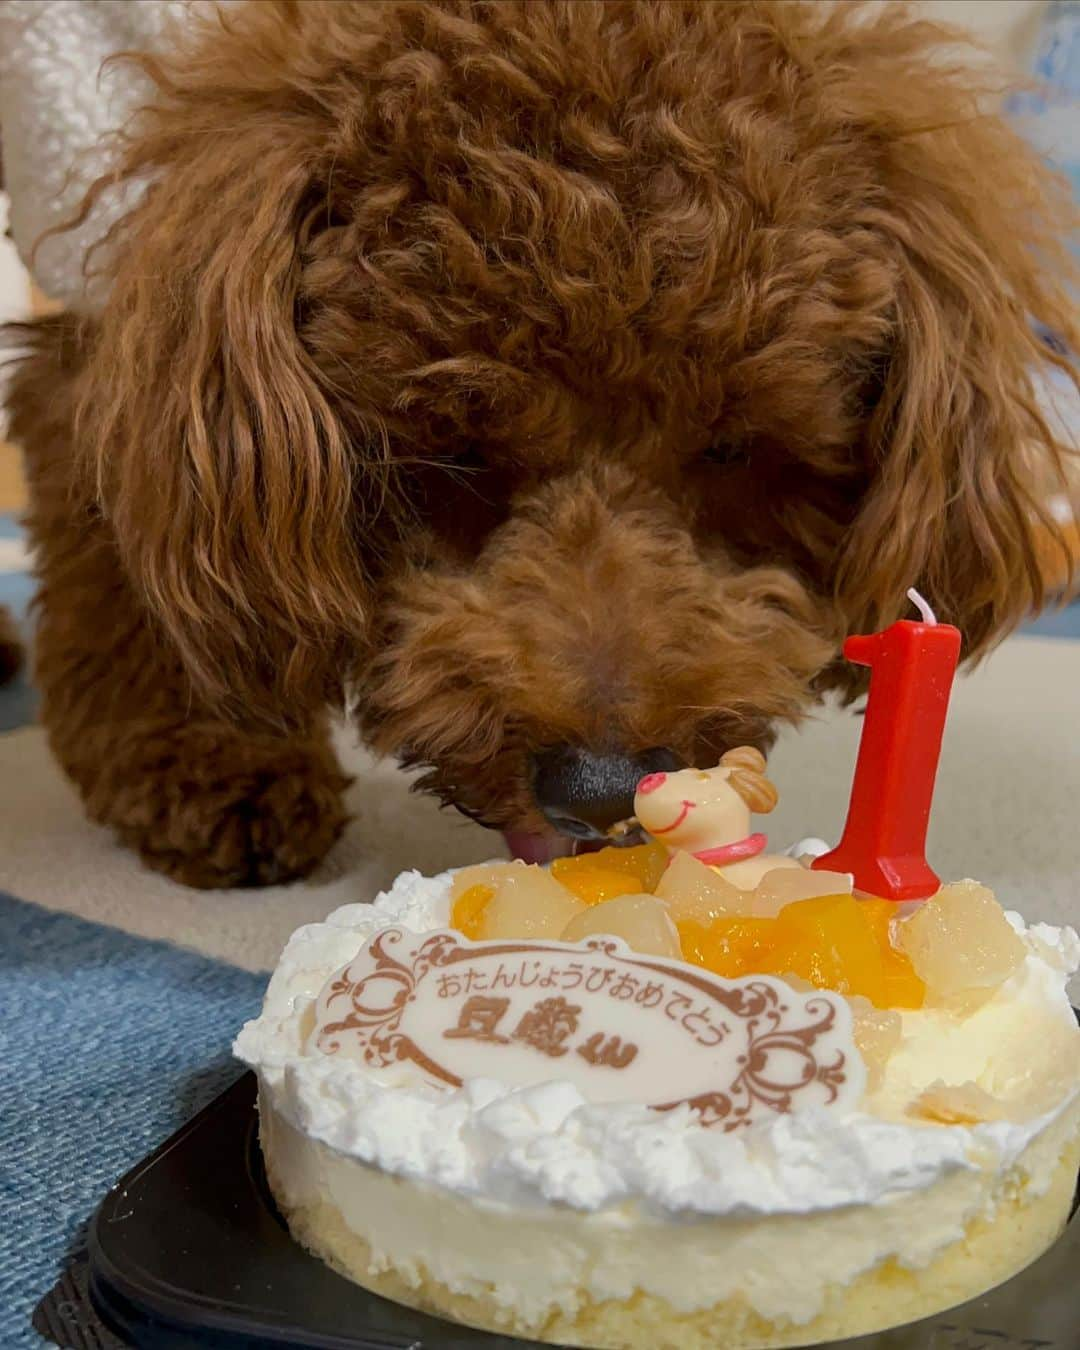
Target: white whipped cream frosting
pixel 546 1144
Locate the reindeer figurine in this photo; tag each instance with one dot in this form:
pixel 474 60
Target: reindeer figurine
pixel 706 812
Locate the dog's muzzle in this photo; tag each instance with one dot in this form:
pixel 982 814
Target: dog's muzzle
pixel 588 796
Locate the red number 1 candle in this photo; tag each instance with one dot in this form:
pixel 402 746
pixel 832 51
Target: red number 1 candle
pixel 911 673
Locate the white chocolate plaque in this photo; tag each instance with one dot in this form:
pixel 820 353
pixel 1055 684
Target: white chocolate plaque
pixel 620 1026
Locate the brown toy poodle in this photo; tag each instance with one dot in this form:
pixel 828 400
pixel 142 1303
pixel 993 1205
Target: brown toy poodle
pixel 548 383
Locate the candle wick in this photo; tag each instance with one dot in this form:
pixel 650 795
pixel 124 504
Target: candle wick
pixel 921 605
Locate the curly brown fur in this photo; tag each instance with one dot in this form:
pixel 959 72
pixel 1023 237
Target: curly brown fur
pixel 539 371
pixel 200 800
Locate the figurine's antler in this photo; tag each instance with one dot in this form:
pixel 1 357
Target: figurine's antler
pixel 744 757
pixel 747 777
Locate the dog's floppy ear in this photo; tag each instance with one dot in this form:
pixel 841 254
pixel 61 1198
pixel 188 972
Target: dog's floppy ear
pixel 224 467
pixel 961 457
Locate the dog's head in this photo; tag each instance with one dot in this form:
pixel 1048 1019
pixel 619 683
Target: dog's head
pixel 555 383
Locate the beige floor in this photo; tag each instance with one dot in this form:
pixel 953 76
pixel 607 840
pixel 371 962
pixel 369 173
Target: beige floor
pixel 1004 812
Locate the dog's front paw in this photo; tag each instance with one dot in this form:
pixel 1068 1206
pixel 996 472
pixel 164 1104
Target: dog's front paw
pixel 213 810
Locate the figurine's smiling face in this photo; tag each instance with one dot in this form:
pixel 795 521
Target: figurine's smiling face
pixel 693 809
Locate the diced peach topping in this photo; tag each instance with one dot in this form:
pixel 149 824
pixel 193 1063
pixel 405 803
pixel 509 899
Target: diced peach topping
pixel 510 900
pixel 728 946
pixel 533 907
pixel 877 1034
pixel 610 872
pixel 600 884
pixel 641 921
pixel 832 942
pixel 827 941
pixel 468 912
pixel 786 885
pixel 958 944
pixel 957 1104
pixel 695 892
pixel 961 945
pixel 903 988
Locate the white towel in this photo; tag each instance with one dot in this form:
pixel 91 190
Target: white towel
pixel 14 292
pixel 56 108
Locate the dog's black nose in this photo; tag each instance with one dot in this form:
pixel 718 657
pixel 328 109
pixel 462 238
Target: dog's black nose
pixel 584 794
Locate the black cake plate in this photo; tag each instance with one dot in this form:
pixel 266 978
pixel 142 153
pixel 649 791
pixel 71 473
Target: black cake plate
pixel 188 1252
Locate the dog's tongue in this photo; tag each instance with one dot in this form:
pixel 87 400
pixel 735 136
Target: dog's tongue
pixel 543 848
pixel 537 848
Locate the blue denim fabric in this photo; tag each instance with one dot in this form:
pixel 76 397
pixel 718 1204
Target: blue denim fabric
pixel 107 1044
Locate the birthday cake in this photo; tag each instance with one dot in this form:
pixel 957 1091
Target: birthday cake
pixel 686 1093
